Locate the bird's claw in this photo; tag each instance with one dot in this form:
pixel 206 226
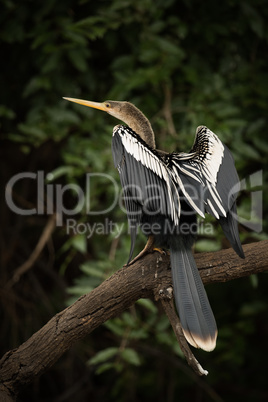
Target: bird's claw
pixel 161 251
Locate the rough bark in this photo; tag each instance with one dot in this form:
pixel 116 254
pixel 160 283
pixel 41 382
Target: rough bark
pixel 148 277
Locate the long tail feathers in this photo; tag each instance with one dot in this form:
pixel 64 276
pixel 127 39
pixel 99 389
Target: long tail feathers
pixel 191 300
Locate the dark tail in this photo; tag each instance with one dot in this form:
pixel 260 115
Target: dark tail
pixel 192 304
pixel 230 228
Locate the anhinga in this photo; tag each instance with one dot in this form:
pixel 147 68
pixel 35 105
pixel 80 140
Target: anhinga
pixel 163 192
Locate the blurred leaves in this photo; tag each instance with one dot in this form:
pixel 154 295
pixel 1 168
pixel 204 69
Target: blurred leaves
pixel 126 355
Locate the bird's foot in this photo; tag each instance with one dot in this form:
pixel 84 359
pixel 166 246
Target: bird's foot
pixel 149 248
pixel 161 251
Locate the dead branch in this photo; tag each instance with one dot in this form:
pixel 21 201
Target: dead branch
pixel 45 236
pixel 148 277
pixel 170 311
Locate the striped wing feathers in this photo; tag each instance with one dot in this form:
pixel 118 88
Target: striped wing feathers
pixel 198 176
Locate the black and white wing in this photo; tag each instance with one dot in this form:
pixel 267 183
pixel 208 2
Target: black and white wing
pixel 209 173
pixel 146 181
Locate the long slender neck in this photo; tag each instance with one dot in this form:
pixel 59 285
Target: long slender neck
pixel 136 120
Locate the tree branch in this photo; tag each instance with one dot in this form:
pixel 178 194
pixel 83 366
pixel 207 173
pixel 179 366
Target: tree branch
pixel 45 236
pixel 170 311
pixel 148 277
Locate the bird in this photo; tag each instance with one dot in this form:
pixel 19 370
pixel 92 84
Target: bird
pixel 163 194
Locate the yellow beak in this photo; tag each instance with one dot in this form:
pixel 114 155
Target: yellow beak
pixel 95 105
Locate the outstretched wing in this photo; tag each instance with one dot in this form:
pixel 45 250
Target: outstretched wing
pixel 209 171
pixel 146 181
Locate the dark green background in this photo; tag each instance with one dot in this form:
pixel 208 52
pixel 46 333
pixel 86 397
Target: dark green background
pixel 184 63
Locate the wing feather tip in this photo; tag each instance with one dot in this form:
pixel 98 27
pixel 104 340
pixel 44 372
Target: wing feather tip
pixel 202 214
pixel 240 252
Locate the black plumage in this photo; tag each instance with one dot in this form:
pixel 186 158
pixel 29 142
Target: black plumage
pixel 164 192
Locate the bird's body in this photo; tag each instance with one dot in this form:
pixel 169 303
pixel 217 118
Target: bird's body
pixel 163 192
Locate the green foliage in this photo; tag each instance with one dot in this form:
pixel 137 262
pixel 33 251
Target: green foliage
pixel 184 63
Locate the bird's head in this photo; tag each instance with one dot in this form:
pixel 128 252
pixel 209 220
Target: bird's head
pixel 115 108
pixel 126 112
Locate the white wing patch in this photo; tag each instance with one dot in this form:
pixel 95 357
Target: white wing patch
pixel 186 171
pixel 178 180
pixel 212 159
pixel 151 161
pixel 202 164
pixel 215 195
